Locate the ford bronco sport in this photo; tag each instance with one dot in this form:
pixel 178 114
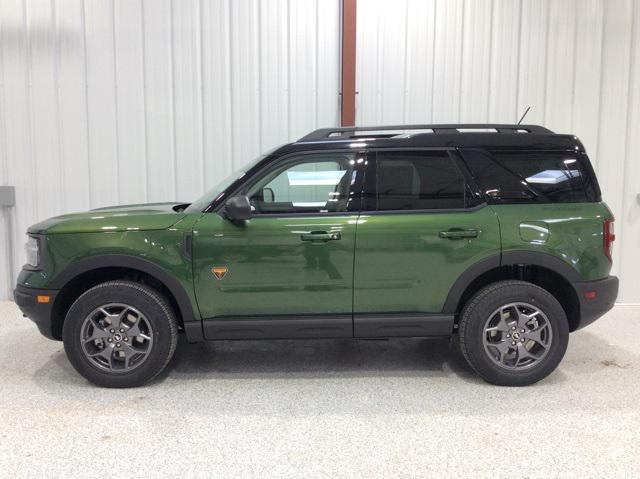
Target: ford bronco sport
pixel 494 232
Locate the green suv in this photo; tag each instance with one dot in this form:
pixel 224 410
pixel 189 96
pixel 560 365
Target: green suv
pixel 496 233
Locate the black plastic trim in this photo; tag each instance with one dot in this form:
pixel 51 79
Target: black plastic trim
pixel 400 325
pixel 505 258
pixel 131 262
pixel 39 313
pixel 329 326
pixel 328 214
pixel 193 331
pixel 592 309
pixel 349 131
pixel 187 244
pixel 465 279
pixel 278 327
pixel 426 211
pixel 539 258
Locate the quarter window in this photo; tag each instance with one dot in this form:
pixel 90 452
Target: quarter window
pixel 310 184
pixel 418 180
pixel 526 177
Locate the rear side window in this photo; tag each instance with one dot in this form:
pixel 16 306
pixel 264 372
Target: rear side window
pixel 417 180
pixel 525 177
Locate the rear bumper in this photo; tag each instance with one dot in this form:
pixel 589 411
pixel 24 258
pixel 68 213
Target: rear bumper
pixel 596 298
pixel 36 310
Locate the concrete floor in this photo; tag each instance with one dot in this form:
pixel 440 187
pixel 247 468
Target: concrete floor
pixel 402 408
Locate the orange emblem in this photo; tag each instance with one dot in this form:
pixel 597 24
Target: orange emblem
pixel 219 271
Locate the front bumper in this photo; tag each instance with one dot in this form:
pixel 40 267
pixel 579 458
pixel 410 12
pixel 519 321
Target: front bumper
pixel 596 298
pixel 31 302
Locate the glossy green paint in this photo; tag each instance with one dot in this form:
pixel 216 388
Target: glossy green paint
pixel 155 216
pixel 401 262
pixel 162 247
pixel 571 231
pixel 404 265
pixel 271 271
pixel 534 232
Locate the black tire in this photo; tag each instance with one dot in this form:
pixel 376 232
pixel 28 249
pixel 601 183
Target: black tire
pixel 158 315
pixel 477 312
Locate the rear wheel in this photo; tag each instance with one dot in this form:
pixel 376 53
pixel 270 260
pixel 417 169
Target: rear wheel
pixel 120 334
pixel 513 333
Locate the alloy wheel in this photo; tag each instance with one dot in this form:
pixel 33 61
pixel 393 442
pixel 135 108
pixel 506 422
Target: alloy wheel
pixel 116 337
pixel 517 336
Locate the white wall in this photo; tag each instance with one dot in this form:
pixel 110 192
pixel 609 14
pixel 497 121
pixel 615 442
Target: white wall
pixel 108 102
pixel 576 62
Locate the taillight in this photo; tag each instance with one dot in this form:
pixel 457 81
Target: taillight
pixel 608 237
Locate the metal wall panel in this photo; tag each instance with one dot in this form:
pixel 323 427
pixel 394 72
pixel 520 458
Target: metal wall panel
pixel 576 62
pixel 107 102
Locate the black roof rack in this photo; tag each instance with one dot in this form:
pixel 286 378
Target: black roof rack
pixel 343 133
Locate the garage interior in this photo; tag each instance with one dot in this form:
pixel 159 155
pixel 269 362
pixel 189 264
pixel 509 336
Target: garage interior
pixel 107 102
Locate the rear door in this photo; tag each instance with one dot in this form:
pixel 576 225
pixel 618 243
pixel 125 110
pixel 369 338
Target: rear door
pixel 423 224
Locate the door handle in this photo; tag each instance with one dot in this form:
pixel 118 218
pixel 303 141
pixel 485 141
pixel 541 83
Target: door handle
pixel 458 234
pixel 321 236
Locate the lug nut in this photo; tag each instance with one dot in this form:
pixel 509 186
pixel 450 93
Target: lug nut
pixel 126 339
pixel 513 343
pixel 112 331
pixel 508 335
pixel 117 345
pixel 110 340
pixel 514 328
pixel 122 330
pixel 522 331
pixel 522 340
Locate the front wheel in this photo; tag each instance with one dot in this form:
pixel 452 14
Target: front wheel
pixel 513 333
pixel 120 334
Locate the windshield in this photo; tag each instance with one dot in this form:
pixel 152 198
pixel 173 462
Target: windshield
pixel 206 199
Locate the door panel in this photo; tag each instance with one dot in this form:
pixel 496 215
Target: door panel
pixel 422 226
pixel 404 264
pixel 272 269
pixel 292 259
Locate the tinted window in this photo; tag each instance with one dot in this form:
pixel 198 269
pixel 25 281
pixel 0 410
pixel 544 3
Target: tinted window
pixel 309 184
pixel 420 180
pixel 515 177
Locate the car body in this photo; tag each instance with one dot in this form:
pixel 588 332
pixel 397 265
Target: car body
pixel 349 233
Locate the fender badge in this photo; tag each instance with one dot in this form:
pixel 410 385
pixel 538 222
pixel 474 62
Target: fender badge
pixel 219 271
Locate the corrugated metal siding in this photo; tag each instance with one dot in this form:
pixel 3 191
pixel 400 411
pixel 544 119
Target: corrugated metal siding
pixel 122 101
pixel 576 62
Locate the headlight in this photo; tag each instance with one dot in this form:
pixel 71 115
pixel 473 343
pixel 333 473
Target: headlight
pixel 32 248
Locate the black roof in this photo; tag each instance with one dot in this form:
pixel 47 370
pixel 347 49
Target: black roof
pixel 494 136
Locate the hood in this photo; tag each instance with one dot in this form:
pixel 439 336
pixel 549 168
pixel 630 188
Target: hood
pixel 153 216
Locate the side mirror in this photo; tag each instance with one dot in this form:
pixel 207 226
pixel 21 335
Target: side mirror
pixel 238 208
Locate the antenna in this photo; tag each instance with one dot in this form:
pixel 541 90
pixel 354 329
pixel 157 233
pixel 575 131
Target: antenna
pixel 524 114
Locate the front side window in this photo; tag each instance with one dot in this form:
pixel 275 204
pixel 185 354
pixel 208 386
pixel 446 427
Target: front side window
pixel 318 183
pixel 418 180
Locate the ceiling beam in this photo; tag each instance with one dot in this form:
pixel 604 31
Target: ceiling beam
pixel 348 64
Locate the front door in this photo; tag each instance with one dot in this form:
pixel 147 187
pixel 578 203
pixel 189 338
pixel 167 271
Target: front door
pixel 422 225
pixel 288 271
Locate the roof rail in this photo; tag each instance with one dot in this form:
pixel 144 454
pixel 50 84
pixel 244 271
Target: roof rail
pixel 342 133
